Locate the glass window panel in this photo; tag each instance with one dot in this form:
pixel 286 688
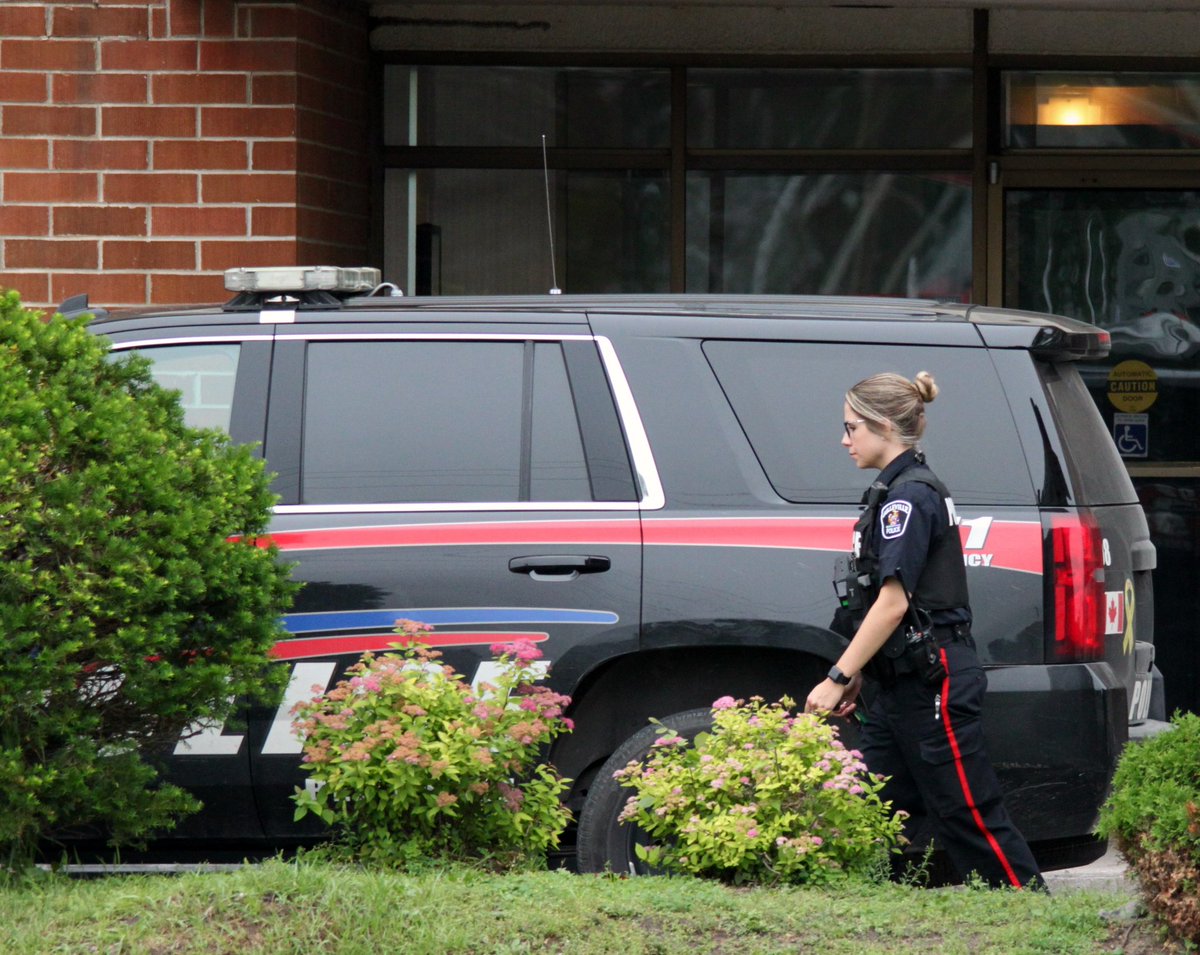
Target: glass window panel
pixel 484 231
pixel 1129 261
pixel 558 471
pixel 796 428
pixel 433 421
pixel 204 376
pixel 829 109
pixel 515 105
pixel 1064 110
pixel 830 233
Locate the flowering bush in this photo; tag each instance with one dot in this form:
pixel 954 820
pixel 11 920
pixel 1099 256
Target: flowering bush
pixel 413 763
pixel 767 796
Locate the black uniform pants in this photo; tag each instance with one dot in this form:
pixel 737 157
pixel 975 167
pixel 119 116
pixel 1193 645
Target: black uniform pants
pixel 929 740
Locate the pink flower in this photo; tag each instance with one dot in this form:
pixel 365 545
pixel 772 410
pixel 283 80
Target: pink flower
pixel 724 703
pixel 751 833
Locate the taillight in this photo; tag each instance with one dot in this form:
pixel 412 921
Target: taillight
pixel 1075 588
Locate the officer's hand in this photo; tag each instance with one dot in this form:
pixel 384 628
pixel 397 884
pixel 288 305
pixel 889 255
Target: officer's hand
pixel 847 705
pixel 825 697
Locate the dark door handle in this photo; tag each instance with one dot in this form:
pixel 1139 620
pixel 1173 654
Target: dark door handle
pixel 558 566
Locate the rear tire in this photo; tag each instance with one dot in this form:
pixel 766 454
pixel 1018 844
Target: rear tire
pixel 603 842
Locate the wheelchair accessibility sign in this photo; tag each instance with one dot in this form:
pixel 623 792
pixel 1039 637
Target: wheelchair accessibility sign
pixel 1131 432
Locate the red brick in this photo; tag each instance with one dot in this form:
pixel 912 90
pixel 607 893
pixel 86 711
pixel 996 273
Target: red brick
pixel 24 220
pixel 157 121
pixel 247 56
pixel 273 89
pixel 228 255
pixel 230 88
pixel 99 88
pixel 50 187
pixel 185 17
pixel 24 154
pixel 248 187
pixel 49 121
pixel 48 55
pixel 100 154
pixel 51 254
pixel 192 220
pixel 24 88
pixel 273 122
pixel 273 220
pixel 325 128
pixel 332 98
pixel 317 160
pixel 198 154
pixel 149 55
pixel 99 220
pixel 23 20
pixel 218 19
pixel 274 156
pixel 120 254
pixel 187 289
pixel 103 288
pixel 34 287
pixel 100 21
pixel 158 23
pixel 262 22
pixel 331 226
pixel 151 188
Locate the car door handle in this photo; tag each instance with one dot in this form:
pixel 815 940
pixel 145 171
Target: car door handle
pixel 558 566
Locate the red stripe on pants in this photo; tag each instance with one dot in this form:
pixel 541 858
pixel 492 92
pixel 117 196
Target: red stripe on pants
pixel 962 776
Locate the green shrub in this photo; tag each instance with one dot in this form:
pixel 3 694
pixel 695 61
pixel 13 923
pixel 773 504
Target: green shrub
pixel 125 610
pixel 414 764
pixel 1153 812
pixel 767 796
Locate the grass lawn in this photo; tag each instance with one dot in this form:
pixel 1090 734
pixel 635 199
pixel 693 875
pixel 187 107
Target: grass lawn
pixel 307 907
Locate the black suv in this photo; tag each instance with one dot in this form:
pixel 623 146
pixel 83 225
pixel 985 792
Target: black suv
pixel 652 488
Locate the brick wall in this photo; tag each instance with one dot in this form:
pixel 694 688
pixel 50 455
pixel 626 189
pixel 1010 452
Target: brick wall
pixel 145 147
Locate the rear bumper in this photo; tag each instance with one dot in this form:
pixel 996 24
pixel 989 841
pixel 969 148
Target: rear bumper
pixel 1054 735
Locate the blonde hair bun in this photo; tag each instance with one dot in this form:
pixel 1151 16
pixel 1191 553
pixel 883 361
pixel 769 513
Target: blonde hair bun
pixel 926 387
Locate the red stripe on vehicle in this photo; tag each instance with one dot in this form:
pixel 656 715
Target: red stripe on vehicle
pixel 625 531
pixel 962 777
pixel 795 533
pixel 358 644
pixel 1013 545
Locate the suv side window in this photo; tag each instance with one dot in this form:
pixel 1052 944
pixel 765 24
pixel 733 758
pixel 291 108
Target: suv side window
pixel 440 421
pixel 204 375
pixel 788 398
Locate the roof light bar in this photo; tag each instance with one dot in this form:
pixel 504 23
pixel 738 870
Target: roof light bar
pixel 301 278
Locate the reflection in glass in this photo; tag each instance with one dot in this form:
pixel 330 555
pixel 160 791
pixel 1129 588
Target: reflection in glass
pixel 204 376
pixel 516 105
pixel 829 109
pixel 1102 110
pixel 1129 261
pixel 830 233
pixel 487 231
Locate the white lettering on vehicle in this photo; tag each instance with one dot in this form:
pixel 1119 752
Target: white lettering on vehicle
pixel 282 737
pixel 977 532
pixel 207 737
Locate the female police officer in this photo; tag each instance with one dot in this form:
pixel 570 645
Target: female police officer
pixel 923 727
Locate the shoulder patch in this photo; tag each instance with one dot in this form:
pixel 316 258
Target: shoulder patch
pixel 893 519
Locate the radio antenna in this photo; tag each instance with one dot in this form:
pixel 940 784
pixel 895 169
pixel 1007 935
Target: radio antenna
pixel 555 290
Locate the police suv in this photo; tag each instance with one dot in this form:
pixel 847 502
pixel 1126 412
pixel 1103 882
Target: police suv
pixel 652 489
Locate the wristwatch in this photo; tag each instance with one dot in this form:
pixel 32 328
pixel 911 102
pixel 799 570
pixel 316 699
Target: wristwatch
pixel 838 676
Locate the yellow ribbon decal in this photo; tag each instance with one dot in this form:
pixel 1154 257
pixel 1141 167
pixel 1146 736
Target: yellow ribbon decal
pixel 1127 644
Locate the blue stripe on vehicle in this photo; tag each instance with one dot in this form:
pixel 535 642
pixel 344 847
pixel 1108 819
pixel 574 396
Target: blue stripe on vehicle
pixel 442 617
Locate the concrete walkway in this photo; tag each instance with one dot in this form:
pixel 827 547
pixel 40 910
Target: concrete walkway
pixel 1109 873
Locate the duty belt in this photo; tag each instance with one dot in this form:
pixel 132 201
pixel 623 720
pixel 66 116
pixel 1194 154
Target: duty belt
pixel 948 633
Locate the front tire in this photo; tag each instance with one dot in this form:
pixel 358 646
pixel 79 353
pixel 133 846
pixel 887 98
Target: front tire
pixel 603 842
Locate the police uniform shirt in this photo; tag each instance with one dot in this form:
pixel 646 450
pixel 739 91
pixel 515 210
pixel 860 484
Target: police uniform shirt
pixel 912 516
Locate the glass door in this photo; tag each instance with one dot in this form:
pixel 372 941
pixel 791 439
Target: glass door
pixel 1126 257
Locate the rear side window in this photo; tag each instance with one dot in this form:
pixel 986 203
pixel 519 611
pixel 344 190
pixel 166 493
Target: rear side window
pixel 788 398
pixel 204 376
pixel 1098 474
pixel 441 421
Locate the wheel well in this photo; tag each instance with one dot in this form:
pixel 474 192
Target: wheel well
pixel 618 701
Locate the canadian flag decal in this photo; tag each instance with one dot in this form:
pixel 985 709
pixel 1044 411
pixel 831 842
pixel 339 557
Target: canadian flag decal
pixel 1114 611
